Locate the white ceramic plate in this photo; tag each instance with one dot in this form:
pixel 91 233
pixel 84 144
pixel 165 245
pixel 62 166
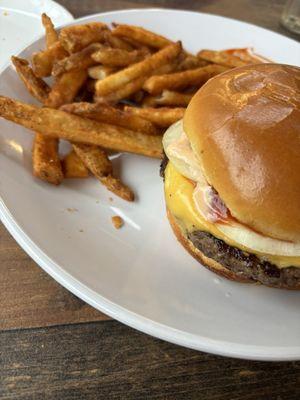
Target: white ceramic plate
pixel 20 23
pixel 140 275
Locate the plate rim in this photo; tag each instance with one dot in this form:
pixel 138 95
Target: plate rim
pixel 124 315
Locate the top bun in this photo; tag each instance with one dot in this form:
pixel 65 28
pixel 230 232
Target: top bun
pixel 244 126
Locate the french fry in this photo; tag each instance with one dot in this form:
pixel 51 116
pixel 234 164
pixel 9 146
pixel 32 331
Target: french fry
pixel 116 186
pixel 116 42
pixel 191 62
pixel 247 55
pixel 222 58
pixel 73 167
pixel 46 163
pixel 65 88
pixel 98 163
pixel 141 35
pixel 57 123
pixel 138 70
pixel 117 57
pixel 77 61
pixel 111 115
pixel 181 80
pixel 42 61
pixel 168 98
pixel 100 71
pixel 122 93
pixel 51 34
pixel 77 37
pixel 35 86
pixel 163 117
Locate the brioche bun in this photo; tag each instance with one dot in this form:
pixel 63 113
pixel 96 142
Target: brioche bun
pixel 244 127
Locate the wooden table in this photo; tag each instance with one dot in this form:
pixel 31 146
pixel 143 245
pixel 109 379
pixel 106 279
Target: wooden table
pixel 54 346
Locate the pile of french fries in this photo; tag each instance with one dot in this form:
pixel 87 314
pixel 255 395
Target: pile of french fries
pixel 112 88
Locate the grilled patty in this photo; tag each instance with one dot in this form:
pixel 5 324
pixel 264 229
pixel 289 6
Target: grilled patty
pixel 246 265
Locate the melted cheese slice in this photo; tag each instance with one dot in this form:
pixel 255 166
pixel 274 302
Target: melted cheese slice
pixel 179 198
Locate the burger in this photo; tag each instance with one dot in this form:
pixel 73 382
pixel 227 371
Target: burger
pixel 232 175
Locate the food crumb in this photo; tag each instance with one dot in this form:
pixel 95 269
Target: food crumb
pixel 117 221
pixel 72 209
pixel 5 13
pixel 111 199
pixel 80 230
pixel 97 202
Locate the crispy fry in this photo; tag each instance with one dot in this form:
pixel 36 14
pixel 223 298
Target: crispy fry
pixel 247 55
pixel 117 221
pixel 73 167
pixel 35 86
pixel 100 71
pixel 116 186
pixel 116 42
pixel 46 163
pixel 168 98
pixel 77 61
pixel 135 71
pixel 94 158
pixel 181 80
pixel 43 61
pixel 60 124
pixel 65 88
pixel 191 62
pixel 117 57
pixel 123 93
pixel 141 35
pixel 77 37
pixel 222 58
pixel 111 115
pixel 51 34
pixel 163 117
pixel 98 163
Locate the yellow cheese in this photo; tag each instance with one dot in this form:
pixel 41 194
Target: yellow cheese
pixel 179 198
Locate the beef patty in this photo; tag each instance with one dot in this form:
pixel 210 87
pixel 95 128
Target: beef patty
pixel 246 265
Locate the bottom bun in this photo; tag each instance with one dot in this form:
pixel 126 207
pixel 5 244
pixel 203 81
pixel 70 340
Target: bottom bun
pixel 209 263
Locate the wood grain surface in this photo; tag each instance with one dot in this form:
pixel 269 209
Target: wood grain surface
pixel 52 348
pixel 107 360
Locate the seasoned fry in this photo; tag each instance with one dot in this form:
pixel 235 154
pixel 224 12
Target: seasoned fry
pixel 116 42
pixel 247 55
pixel 135 71
pixel 141 35
pixel 123 93
pixel 168 98
pixel 116 186
pixel 94 158
pixel 100 71
pixel 77 37
pixel 191 62
pixel 56 123
pixel 51 34
pixel 111 115
pixel 35 86
pixel 43 61
pixel 98 163
pixel 222 58
pixel 73 167
pixel 77 61
pixel 181 80
pixel 163 117
pixel 46 163
pixel 117 57
pixel 65 88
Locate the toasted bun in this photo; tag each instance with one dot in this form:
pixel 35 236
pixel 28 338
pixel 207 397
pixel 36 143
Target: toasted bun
pixel 211 264
pixel 244 126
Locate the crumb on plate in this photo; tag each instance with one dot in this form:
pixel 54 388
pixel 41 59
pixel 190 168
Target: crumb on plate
pixel 117 221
